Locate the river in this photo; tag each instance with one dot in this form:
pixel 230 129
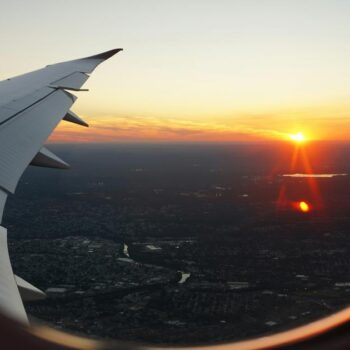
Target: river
pixel 184 275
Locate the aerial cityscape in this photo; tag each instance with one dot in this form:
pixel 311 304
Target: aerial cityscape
pixel 177 244
pixel 207 199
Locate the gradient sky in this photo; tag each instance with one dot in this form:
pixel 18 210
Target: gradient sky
pixel 193 70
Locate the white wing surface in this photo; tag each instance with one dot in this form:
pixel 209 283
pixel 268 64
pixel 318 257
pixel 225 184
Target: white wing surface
pixel 31 105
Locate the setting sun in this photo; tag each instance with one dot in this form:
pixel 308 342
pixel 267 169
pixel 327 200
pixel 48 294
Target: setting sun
pixel 298 137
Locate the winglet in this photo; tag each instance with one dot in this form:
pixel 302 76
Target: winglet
pixel 104 55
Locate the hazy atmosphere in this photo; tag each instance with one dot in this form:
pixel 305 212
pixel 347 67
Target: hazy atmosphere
pixel 194 70
pixel 209 199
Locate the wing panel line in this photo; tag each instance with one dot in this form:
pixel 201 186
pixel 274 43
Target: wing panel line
pixel 24 109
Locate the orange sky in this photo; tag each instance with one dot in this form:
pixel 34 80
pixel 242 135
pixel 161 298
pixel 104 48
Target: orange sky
pixel 198 70
pixel 321 123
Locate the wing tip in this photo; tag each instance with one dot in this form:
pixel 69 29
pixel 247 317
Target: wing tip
pixel 105 55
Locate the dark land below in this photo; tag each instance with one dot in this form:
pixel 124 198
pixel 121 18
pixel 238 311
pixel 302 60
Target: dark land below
pixel 183 244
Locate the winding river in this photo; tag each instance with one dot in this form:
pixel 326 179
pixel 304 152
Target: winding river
pixel 184 275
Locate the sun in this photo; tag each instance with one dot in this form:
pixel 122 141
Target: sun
pixel 298 137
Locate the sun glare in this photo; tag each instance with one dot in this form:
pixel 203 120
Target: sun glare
pixel 304 207
pixel 298 137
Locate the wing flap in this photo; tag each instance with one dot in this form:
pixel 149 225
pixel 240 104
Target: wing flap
pixel 18 105
pixel 22 136
pixel 73 81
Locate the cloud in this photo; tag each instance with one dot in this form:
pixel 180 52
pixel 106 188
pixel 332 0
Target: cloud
pixel 113 129
pixel 109 128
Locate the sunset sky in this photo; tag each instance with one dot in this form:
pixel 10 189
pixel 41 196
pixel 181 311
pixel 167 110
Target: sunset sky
pixel 193 70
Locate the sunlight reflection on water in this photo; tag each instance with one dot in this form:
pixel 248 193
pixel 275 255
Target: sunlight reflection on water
pixel 314 175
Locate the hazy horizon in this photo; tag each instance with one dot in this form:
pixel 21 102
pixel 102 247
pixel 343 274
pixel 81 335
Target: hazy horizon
pixel 194 71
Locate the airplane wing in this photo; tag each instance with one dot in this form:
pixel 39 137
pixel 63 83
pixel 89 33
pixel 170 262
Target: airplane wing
pixel 31 106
